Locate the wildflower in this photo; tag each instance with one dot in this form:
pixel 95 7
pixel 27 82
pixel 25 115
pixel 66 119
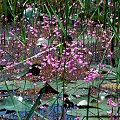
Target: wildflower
pixel 28 74
pixel 109 112
pixel 63 98
pixel 2 16
pixel 41 107
pixel 28 62
pixel 111 102
pixel 77 118
pixel 3 60
pixel 77 96
pixel 47 103
pixel 44 82
pixel 99 101
pixel 35 84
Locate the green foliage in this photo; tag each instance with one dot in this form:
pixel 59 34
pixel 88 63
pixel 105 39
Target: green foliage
pixel 22 105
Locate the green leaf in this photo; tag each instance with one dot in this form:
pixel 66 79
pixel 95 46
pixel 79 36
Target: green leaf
pixel 53 100
pixel 10 85
pixel 56 84
pixel 103 105
pixel 77 100
pixel 83 112
pixel 23 35
pixel 37 102
pixel 118 73
pixel 81 3
pixel 78 87
pixel 115 32
pixel 25 85
pixel 22 105
pixel 59 21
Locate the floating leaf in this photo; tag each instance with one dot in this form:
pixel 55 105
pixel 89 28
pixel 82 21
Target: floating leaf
pixel 52 100
pixel 10 84
pixel 22 105
pixel 57 85
pixel 25 85
pixel 83 112
pixel 48 89
pixel 103 105
pixel 81 99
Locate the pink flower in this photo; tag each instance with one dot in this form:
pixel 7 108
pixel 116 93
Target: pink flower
pixel 2 16
pixel 28 74
pixel 77 96
pixel 44 82
pixel 109 112
pixel 114 104
pixel 3 60
pixel 47 103
pixel 39 67
pixel 28 62
pixel 99 101
pixel 80 61
pixel 118 98
pixel 35 84
pixel 63 98
pixel 77 118
pixel 41 107
pixel 111 102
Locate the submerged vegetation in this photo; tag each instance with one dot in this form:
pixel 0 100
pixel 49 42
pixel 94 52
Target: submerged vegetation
pixel 59 60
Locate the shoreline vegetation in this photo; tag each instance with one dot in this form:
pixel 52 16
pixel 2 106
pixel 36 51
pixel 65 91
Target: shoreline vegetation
pixel 60 59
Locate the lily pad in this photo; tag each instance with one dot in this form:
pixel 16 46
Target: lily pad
pixel 48 89
pixel 83 112
pixel 25 85
pixel 79 87
pixel 81 99
pixel 10 85
pixel 53 100
pixel 17 103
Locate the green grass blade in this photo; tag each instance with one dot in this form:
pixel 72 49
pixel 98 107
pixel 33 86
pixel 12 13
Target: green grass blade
pixel 37 102
pixel 11 96
pixel 48 11
pixel 23 33
pixel 90 19
pixel 81 3
pixel 118 75
pixel 4 7
pixel 115 32
pixel 59 21
pixel 105 14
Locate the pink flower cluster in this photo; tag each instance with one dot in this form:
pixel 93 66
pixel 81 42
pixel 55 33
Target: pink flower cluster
pixel 111 102
pixel 92 74
pixel 113 105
